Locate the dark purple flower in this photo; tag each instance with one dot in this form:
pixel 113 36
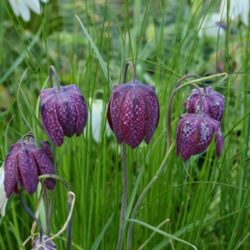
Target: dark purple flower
pixel 44 244
pixel 212 102
pixel 64 112
pixel 194 134
pixel 24 163
pixel 133 112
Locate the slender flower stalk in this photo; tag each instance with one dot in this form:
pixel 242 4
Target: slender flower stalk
pixel 170 107
pixel 53 73
pixel 124 197
pixel 47 208
pixel 70 206
pixel 69 227
pixel 32 215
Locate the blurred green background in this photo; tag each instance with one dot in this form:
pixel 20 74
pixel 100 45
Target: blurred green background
pixel 206 204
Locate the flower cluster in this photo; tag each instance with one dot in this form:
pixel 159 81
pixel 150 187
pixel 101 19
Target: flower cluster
pixel 195 129
pixel 64 113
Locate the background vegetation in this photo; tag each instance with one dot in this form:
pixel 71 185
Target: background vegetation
pixel 205 203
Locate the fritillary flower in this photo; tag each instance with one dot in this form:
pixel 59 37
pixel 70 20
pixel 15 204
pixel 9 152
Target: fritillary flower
pixel 133 112
pixel 195 133
pixel 24 163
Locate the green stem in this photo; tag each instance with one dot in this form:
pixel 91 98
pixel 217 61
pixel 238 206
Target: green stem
pixel 31 214
pixel 132 69
pixel 52 72
pixel 124 197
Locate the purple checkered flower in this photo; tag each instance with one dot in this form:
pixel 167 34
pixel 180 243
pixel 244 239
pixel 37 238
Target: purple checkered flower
pixel 133 112
pixel 212 102
pixel 24 163
pixel 195 133
pixel 64 112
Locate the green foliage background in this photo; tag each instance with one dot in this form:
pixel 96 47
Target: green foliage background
pixel 208 206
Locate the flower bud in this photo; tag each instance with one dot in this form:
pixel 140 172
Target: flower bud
pixel 133 112
pixel 23 164
pixel 63 111
pixel 195 133
pixel 212 102
pixel 43 244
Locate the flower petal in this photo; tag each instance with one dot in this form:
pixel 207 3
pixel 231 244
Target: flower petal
pixel 50 121
pixel 24 11
pixel 81 113
pixel 33 5
pixel 46 147
pixel 219 141
pixel 114 109
pixel 133 118
pixel 15 7
pixel 10 174
pixel 28 171
pixel 45 166
pixel 96 119
pixel 152 107
pixel 66 114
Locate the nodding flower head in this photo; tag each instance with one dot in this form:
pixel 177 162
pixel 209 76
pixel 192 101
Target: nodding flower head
pixel 195 133
pixel 44 244
pixel 64 112
pixel 133 112
pixel 212 102
pixel 24 163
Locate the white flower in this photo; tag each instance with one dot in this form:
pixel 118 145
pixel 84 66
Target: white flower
pixel 238 10
pixel 3 198
pixel 97 109
pixel 22 7
pixel 215 23
pixel 211 25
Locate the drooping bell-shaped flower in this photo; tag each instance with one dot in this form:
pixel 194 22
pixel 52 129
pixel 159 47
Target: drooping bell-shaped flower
pixel 24 163
pixel 194 134
pixel 133 112
pixel 212 102
pixel 63 110
pixel 44 244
